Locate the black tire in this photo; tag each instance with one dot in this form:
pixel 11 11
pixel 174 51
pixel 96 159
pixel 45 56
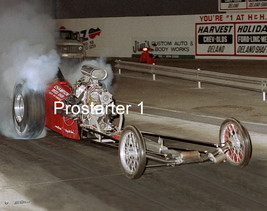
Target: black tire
pixel 28 111
pixel 240 151
pixel 132 155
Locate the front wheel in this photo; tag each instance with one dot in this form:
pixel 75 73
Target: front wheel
pixel 236 136
pixel 132 152
pixel 28 111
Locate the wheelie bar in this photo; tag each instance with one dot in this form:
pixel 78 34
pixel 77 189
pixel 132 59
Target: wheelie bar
pixel 159 152
pixel 219 155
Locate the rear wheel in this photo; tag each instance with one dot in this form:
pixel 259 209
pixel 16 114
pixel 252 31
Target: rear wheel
pixel 132 152
pixel 233 134
pixel 28 111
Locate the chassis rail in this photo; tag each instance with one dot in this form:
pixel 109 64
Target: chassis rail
pixel 135 148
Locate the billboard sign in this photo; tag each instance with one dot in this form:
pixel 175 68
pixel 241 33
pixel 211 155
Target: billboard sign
pixel 164 47
pixel 225 5
pixel 235 35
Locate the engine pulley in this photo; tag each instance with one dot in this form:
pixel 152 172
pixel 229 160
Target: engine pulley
pixel 106 98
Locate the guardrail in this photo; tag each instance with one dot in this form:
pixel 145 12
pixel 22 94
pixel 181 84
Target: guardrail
pixel 200 76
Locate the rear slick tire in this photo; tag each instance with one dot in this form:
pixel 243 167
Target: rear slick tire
pixel 28 111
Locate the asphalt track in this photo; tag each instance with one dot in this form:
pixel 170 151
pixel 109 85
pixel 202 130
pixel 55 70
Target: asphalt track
pixel 55 173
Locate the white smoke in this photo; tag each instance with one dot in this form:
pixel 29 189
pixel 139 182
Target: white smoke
pixel 26 51
pixel 72 72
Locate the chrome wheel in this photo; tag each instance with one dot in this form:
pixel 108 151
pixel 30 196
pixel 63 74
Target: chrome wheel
pixel 132 152
pixel 236 137
pixel 18 108
pixel 129 153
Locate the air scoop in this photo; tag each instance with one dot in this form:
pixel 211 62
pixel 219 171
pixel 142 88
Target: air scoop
pixel 94 72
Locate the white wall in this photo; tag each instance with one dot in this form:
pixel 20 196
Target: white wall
pixel 177 35
pixel 118 34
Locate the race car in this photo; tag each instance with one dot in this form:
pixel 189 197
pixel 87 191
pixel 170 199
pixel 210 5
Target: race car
pixel 86 110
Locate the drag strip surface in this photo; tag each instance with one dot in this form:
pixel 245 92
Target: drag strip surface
pixel 55 173
pixel 149 110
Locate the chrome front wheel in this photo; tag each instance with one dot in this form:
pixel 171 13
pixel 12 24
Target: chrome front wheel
pixel 132 152
pixel 237 138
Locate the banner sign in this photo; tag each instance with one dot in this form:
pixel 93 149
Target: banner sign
pixel 235 39
pixel 231 35
pixel 241 4
pixel 232 5
pixel 214 39
pixel 251 39
pixel 164 47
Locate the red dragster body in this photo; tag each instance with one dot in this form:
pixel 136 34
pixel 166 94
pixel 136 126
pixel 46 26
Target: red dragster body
pixel 61 124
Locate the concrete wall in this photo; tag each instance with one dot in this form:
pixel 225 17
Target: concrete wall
pixel 120 37
pixel 231 35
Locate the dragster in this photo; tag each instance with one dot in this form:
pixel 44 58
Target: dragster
pixel 85 110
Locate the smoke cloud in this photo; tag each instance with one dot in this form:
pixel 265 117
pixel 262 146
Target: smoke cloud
pixel 72 72
pixel 27 51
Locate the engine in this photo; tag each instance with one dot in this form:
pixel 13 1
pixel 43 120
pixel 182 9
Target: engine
pixel 92 99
